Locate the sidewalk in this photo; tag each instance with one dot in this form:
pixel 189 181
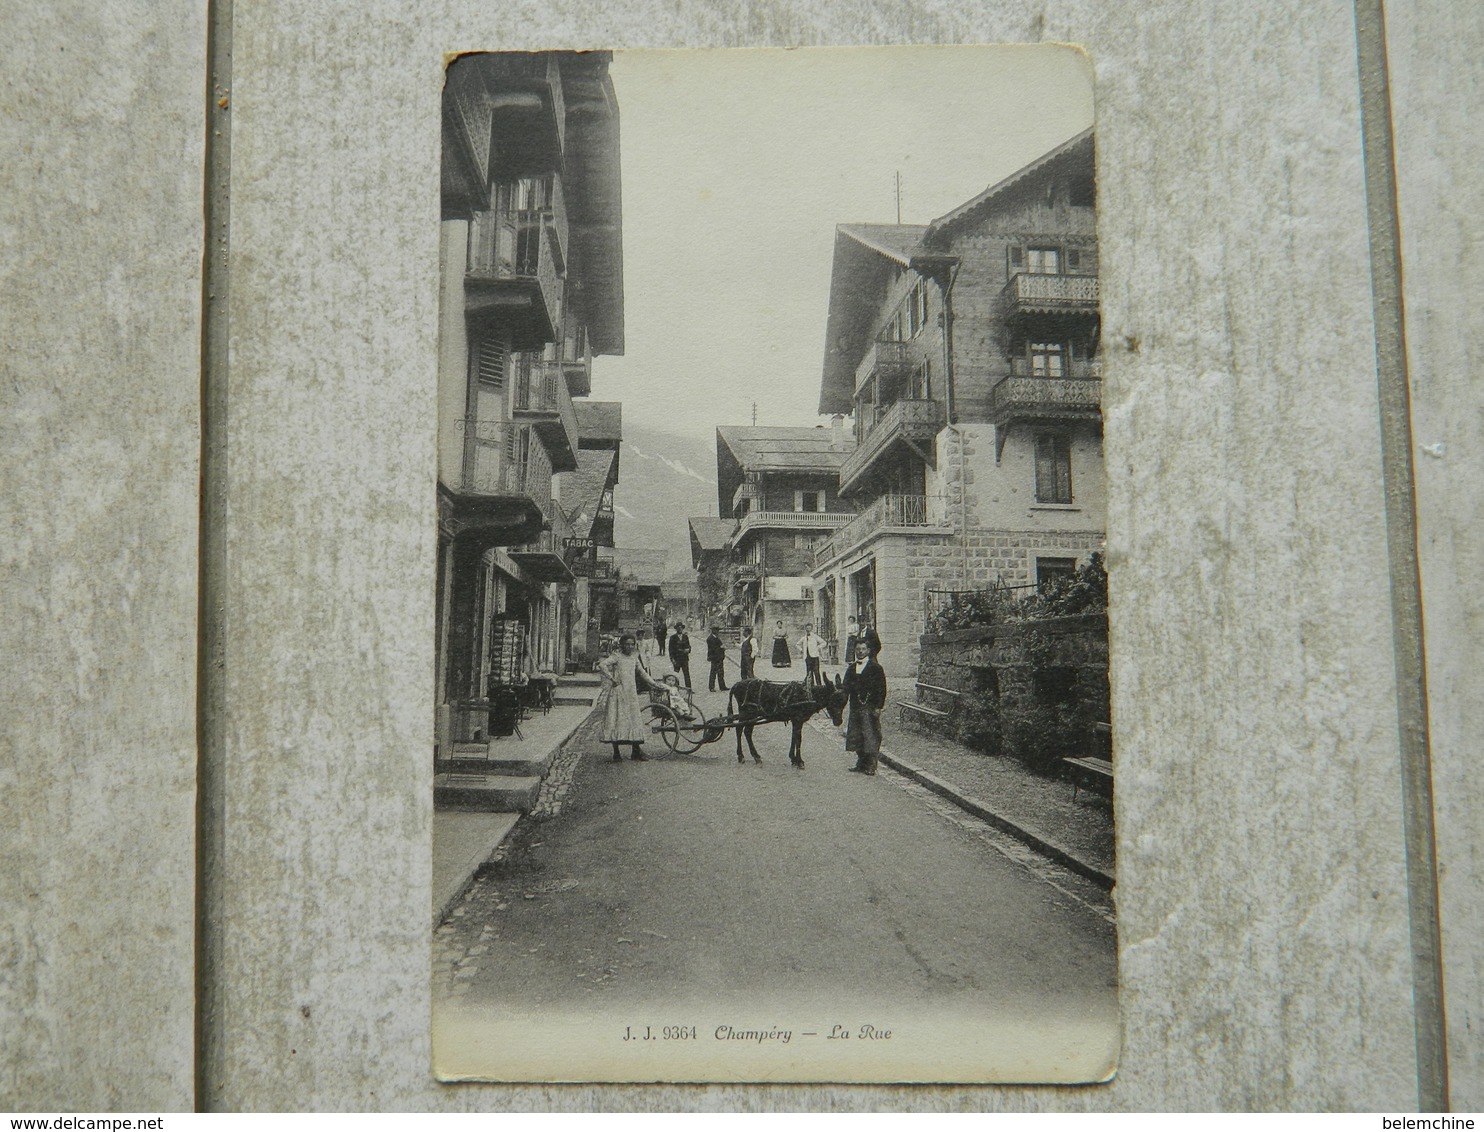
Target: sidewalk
pixel 1034 809
pixel 464 838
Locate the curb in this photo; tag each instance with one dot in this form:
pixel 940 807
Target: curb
pixel 1005 825
pixel 483 866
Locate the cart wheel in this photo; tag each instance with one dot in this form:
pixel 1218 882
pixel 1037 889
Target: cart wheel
pixel 689 735
pixel 662 722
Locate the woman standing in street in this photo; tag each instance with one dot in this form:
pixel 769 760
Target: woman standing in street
pixel 865 681
pixel 781 656
pixel 623 721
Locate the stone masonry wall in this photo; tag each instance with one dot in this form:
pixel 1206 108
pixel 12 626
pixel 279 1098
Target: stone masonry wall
pixel 993 668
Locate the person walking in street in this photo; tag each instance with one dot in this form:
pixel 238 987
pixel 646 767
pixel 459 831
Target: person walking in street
pixel 624 675
pixel 811 648
pixel 716 655
pixel 747 659
pixel 781 657
pixel 680 652
pixel 865 681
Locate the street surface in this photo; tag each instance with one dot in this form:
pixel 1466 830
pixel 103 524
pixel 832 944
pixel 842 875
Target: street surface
pixel 680 888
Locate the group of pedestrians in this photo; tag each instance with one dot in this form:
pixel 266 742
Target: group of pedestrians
pixel 628 676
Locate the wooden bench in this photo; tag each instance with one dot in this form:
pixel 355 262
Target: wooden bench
pixel 1097 774
pixel 913 707
pixel 926 712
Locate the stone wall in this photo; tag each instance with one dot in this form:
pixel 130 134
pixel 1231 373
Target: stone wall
pixel 1015 670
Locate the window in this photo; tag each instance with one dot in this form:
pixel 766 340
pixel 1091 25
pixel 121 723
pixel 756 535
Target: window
pixel 917 310
pixel 1053 468
pixel 922 381
pixel 1043 261
pixel 806 541
pixel 808 501
pixel 1049 571
pixel 1048 359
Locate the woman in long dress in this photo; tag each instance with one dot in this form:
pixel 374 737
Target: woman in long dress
pixel 623 719
pixel 781 656
pixel 865 681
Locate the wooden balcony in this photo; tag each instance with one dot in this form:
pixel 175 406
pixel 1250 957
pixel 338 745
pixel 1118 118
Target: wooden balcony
pixel 1030 294
pixel 745 573
pixel 529 109
pixel 886 512
pixel 1045 400
pixel 906 424
pixel 543 558
pixel 512 275
pixel 797 521
pixel 747 489
pixel 887 361
pixel 491 502
pixel 576 359
pixel 542 401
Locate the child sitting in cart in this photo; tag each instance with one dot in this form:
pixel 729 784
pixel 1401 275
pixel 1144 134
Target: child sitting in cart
pixel 678 698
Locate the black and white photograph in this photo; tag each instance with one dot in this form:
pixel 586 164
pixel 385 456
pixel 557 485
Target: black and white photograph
pixel 772 735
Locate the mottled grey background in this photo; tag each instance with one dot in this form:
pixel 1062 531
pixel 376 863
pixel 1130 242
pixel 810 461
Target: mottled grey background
pixel 1264 943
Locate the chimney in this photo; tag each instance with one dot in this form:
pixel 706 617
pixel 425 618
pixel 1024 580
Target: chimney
pixel 837 433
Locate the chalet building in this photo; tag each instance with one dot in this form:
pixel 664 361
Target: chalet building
pixel 966 354
pixel 586 499
pixel 781 488
pixel 641 589
pixel 531 290
pixel 711 559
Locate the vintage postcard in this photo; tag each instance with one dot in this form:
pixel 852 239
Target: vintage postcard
pixel 771 735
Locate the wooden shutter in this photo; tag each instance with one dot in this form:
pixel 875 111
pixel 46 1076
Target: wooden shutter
pixel 490 361
pixel 1016 257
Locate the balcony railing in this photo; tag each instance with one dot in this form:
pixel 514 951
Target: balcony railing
pixel 513 251
pixel 1021 398
pixel 488 469
pixel 916 421
pixel 542 400
pixel 1029 293
pixel 790 521
pixel 485 445
pixel 576 358
pixel 747 489
pixel 745 572
pixel 885 512
pixel 887 360
pixel 543 558
pixel 555 213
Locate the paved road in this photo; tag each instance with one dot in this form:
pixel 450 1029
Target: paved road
pixel 705 885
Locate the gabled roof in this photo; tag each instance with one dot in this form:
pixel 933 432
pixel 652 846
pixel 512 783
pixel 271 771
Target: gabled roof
pixel 708 534
pixel 641 567
pixel 743 449
pixel 583 489
pixel 867 259
pixel 1074 151
pixel 894 241
pixel 600 422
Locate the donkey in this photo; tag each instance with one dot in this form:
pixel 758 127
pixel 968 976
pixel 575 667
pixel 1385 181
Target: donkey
pixel 761 701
